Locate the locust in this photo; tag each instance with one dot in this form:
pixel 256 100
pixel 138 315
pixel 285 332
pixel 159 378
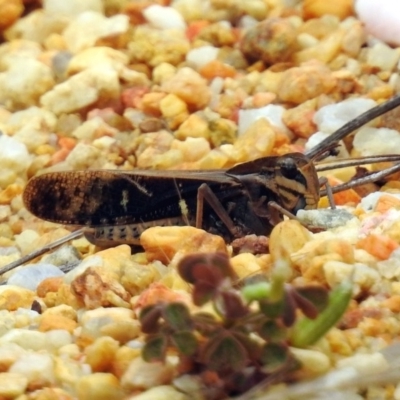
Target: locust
pixel 250 198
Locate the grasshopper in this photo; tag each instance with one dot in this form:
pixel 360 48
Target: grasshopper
pixel 249 198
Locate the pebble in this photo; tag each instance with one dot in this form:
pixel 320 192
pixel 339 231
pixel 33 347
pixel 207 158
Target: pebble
pixel 13 297
pixel 12 384
pixel 99 386
pixel 163 392
pixel 370 141
pixel 325 218
pixel 82 89
pixel 189 86
pixel 272 113
pixel 200 56
pixel 32 275
pixel 28 76
pixel 381 20
pixel 257 141
pixel 72 8
pixel 77 36
pixel 164 17
pixel 143 375
pixel 14 156
pixel 167 243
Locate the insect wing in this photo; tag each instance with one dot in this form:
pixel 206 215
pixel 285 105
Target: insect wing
pixel 101 197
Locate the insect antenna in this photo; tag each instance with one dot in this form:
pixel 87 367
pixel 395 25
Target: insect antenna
pixel 48 247
pixel 353 125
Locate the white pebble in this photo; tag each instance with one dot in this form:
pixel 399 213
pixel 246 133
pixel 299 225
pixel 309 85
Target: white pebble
pixel 37 368
pixel 13 154
pixel 31 276
pixel 164 17
pixel 200 56
pixel 71 8
pixel 27 339
pixel 333 116
pixel 365 363
pixel 272 113
pixel 381 19
pixel 370 141
pixel 90 26
pixel 383 57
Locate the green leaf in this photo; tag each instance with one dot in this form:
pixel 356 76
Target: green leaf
pixel 256 291
pixel 185 342
pixel 178 317
pixel 206 323
pixel 272 309
pixel 307 331
pixel 155 349
pixel 272 331
pixel 149 318
pixel 223 353
pixel 274 356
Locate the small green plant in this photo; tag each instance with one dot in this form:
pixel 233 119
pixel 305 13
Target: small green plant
pixel 246 336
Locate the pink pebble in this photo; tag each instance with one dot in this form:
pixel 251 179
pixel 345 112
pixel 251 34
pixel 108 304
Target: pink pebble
pixel 381 19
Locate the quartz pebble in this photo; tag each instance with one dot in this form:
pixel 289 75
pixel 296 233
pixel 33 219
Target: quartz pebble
pixel 164 17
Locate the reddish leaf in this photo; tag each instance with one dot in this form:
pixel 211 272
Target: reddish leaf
pixel 311 299
pixel 230 305
pixel 202 293
pixel 218 262
pixel 289 309
pixel 223 353
pixel 149 318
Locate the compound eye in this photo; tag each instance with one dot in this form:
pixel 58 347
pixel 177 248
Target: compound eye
pixel 288 168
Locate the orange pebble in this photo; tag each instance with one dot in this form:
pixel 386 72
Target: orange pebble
pixel 59 156
pixel 195 28
pixel 386 202
pixel 67 143
pixel 216 68
pixel 379 246
pixel 344 197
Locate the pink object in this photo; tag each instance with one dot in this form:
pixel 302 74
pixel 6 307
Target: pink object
pixel 381 19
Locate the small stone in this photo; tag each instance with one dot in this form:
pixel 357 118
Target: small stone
pixel 82 156
pixel 143 375
pixel 63 256
pixel 94 322
pixel 199 57
pixel 12 384
pixel 190 86
pixel 246 264
pixel 49 322
pixel 37 368
pixel 82 89
pixel 72 8
pixel 14 297
pixel 28 76
pixel 299 84
pixel 174 110
pixel 365 363
pixel 271 41
pixel 99 386
pixel 100 354
pixel 163 392
pixel 164 17
pixel 257 141
pixel 78 37
pixel 312 361
pixel 9 353
pixel 30 276
pixel 192 149
pixel 324 217
pixel 370 141
pixel 194 126
pixel 165 243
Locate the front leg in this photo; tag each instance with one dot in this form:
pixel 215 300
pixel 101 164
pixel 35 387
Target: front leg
pixel 204 193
